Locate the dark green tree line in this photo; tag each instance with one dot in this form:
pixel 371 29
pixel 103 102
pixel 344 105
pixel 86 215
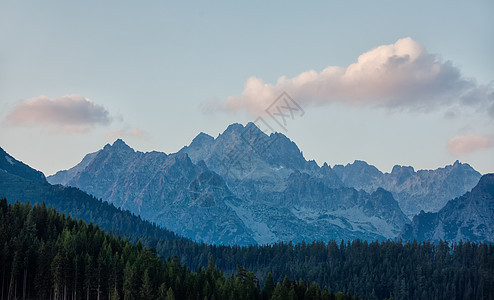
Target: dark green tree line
pixel 47 255
pixel 369 269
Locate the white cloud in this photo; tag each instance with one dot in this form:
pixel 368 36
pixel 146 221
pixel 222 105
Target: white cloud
pixel 402 75
pixel 71 113
pixel 464 144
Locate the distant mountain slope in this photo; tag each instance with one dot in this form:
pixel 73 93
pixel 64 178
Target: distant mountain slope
pixel 263 170
pixel 427 190
pixel 22 183
pixel 15 167
pixel 373 270
pixel 469 217
pixel 242 187
pixel 62 177
pixel 167 189
pixel 27 186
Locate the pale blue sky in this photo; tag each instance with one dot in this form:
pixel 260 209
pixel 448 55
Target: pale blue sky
pixel 154 66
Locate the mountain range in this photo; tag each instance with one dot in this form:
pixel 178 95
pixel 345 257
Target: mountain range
pixel 469 217
pixel 427 190
pixel 369 269
pixel 245 187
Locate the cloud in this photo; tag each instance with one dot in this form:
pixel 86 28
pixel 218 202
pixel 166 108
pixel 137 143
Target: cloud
pixel 402 75
pixel 125 132
pixel 71 113
pixel 464 144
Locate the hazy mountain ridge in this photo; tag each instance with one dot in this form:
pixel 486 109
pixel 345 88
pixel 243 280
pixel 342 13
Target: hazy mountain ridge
pixel 299 198
pixel 62 177
pixel 167 189
pixel 253 200
pixel 427 190
pixel 22 183
pixel 15 167
pixel 377 266
pixel 469 217
pixel 264 190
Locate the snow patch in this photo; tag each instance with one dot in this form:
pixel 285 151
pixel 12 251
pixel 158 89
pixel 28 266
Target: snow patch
pixel 262 233
pixel 9 159
pixel 353 219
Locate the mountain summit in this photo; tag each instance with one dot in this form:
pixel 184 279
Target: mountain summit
pixel 242 187
pixel 245 186
pixel 427 190
pixel 169 190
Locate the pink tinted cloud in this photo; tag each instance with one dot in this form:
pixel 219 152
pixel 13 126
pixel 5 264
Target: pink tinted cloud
pixel 71 113
pixel 464 144
pixel 400 75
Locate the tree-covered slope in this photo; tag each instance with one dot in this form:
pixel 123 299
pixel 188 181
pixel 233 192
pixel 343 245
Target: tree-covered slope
pixel 372 270
pixel 45 255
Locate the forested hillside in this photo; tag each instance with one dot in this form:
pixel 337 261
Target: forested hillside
pixel 45 255
pixel 372 270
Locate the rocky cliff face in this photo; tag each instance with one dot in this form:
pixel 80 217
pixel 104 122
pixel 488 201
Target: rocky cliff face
pixel 469 217
pixel 245 186
pixel 427 190
pixel 299 199
pixel 63 177
pixel 241 187
pixel 167 189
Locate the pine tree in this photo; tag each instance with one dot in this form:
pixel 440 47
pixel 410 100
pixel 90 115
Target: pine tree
pixel 146 291
pixel 129 284
pixel 162 292
pixel 269 286
pixel 170 295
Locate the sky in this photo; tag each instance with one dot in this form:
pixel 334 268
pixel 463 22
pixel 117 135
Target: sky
pixel 388 82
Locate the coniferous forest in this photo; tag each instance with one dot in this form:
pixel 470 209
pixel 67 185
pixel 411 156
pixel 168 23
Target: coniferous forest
pixel 224 150
pixel 374 270
pixel 47 255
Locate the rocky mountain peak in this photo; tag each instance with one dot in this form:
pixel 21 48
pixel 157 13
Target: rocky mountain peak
pixel 252 126
pixel 403 170
pixel 201 140
pixel 458 167
pixel 359 175
pixel 238 182
pixel 469 217
pixel 235 128
pixel 119 145
pixel 359 163
pixel 362 167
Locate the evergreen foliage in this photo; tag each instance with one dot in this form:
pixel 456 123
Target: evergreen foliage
pixel 47 255
pixel 370 269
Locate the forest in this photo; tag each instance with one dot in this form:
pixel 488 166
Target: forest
pixel 378 270
pixel 47 255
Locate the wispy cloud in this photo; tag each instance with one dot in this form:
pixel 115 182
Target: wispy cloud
pixel 71 113
pixel 402 75
pixel 464 144
pixel 125 132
